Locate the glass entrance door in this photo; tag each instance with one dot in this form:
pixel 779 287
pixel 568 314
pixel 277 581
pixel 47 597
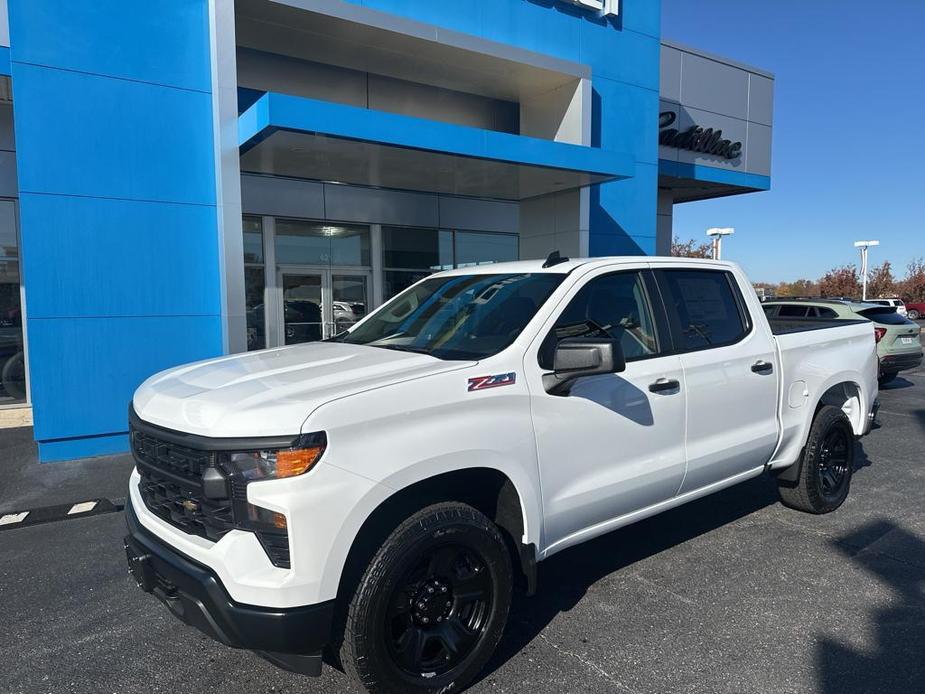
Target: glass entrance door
pixel 303 308
pixel 318 303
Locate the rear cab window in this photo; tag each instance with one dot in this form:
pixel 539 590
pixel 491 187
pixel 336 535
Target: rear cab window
pixel 705 308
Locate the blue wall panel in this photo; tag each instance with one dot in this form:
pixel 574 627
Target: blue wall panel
pixel 103 137
pixel 119 257
pixel 623 53
pixel 84 370
pixel 162 42
pixel 115 158
pixel 623 214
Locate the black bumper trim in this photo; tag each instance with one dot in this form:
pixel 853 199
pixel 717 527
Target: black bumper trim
pixel 892 363
pixel 289 637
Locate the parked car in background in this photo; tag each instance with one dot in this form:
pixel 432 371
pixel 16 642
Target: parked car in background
pixel 899 342
pixel 914 311
pixel 898 304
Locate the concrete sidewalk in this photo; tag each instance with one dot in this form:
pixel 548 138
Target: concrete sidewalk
pixel 25 483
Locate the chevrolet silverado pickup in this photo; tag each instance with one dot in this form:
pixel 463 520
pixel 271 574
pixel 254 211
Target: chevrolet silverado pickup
pixel 375 498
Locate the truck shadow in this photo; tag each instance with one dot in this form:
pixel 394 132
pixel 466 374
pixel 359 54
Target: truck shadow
pixel 564 579
pixel 895 663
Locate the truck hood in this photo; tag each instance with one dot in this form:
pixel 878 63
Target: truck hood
pixel 272 392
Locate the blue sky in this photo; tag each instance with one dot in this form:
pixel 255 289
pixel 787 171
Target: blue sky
pixel 848 157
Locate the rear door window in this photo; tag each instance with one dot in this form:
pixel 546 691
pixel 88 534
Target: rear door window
pixel 705 308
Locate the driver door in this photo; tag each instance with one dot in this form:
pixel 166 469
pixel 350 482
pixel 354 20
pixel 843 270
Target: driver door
pixel 614 444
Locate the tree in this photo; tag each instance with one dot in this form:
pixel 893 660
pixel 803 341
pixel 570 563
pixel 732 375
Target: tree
pixel 798 288
pixel 912 288
pixel 691 249
pixel 881 281
pixel 840 281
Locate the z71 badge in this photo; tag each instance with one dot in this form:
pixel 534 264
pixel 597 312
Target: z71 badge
pixel 496 381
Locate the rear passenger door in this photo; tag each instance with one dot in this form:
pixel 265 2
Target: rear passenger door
pixel 729 367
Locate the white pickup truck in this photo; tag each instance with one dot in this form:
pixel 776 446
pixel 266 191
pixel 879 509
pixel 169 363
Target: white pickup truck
pixel 377 496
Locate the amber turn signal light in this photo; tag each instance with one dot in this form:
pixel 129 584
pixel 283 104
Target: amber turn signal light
pixel 297 461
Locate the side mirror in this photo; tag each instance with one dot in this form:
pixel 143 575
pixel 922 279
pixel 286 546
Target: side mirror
pixel 576 357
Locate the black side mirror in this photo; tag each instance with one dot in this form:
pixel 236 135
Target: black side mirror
pixel 583 356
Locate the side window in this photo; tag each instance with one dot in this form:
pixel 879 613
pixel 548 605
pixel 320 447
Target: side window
pixel 608 306
pixel 826 312
pixel 707 308
pixel 792 311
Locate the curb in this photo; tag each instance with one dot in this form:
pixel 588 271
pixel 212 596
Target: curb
pixel 50 514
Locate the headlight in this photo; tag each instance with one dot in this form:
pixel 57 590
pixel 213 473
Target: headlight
pixel 279 463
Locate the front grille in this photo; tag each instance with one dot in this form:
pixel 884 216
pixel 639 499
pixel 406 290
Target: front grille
pixel 171 487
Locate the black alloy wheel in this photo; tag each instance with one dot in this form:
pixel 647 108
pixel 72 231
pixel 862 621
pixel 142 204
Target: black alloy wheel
pixel 832 468
pixel 430 607
pixel 826 466
pixel 438 612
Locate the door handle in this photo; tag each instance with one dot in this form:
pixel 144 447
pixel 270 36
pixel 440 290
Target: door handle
pixel 664 384
pixel 762 367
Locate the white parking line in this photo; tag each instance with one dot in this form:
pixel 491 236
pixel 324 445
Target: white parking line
pixel 82 507
pixel 13 518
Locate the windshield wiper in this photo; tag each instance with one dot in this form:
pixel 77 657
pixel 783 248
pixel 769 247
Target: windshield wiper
pixel 403 348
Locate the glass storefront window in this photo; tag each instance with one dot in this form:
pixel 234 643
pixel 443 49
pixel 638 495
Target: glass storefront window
pixel 254 283
pixel 409 254
pixel 417 249
pixel 477 248
pixel 253 240
pixel 321 243
pixel 12 355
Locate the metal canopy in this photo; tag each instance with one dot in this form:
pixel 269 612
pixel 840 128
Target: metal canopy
pixel 304 138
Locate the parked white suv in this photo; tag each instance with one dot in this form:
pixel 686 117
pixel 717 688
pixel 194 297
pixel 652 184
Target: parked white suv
pixel 898 304
pixel 380 493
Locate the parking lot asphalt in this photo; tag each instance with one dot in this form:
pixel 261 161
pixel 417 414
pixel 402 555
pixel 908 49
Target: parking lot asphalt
pixel 732 593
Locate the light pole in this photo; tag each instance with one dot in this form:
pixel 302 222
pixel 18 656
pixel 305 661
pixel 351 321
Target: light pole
pixel 864 245
pixel 717 235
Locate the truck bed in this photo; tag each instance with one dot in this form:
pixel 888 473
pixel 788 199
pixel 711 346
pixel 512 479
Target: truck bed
pixel 786 326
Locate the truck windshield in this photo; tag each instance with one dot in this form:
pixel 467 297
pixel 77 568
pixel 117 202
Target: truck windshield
pixel 456 317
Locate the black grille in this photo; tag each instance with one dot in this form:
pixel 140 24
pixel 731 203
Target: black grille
pixel 171 487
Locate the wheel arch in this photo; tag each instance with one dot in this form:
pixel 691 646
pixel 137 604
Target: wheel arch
pixel 488 489
pixel 847 396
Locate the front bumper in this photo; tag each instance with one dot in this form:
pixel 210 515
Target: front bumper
pixel 291 638
pixel 891 363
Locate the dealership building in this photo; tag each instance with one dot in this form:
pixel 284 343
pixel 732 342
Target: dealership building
pixel 183 179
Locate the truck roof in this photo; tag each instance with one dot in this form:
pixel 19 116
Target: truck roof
pixel 566 265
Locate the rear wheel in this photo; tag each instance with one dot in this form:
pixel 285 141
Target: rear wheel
pixel 826 467
pixel 886 378
pixel 431 606
pixel 913 314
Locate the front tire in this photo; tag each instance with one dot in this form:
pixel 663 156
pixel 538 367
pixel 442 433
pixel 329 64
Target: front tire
pixel 431 606
pixel 826 466
pixel 913 315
